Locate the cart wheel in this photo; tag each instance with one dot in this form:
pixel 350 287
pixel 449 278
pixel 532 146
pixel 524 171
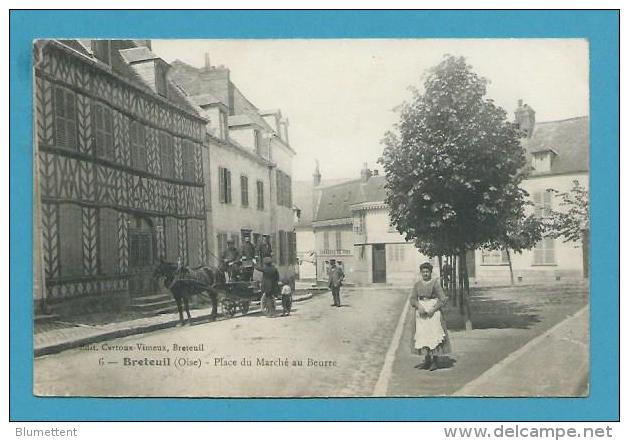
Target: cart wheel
pixel 231 309
pixel 244 307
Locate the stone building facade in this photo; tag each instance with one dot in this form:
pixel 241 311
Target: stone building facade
pixel 249 165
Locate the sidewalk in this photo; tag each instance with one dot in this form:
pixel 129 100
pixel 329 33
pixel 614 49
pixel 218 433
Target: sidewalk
pixel 57 340
pixel 526 341
pixel 555 364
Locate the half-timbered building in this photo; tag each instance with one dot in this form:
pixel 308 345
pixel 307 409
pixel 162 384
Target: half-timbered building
pixel 119 153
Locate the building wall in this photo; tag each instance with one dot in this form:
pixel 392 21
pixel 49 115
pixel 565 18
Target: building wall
pixel 568 256
pixel 233 217
pixel 344 254
pixel 306 253
pixel 90 198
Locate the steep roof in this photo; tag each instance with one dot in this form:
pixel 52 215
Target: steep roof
pixel 568 138
pixel 336 200
pixel 124 52
pixel 303 198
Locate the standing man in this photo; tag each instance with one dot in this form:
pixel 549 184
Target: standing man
pixel 265 249
pixel 335 281
pixel 231 259
pixel 248 252
pixel 270 280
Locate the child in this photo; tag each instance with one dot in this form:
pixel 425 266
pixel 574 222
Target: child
pixel 287 298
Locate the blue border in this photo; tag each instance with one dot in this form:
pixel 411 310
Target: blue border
pixel 601 28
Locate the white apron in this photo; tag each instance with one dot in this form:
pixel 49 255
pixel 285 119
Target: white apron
pixel 428 330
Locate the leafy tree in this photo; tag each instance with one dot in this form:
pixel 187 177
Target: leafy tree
pixel 519 233
pixel 573 220
pixel 454 166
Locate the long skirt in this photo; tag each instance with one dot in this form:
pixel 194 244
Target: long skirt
pixel 430 333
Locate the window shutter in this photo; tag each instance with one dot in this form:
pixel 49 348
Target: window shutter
pixel 537 202
pixel 109 133
pixel 60 126
pixel 228 187
pixel 70 240
pixel 70 120
pixel 221 184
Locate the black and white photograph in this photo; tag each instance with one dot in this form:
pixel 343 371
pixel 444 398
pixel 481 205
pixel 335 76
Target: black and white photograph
pixel 311 218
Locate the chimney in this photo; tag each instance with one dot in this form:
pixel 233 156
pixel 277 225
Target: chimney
pixel 207 66
pixel 365 173
pixel 525 119
pixel 316 176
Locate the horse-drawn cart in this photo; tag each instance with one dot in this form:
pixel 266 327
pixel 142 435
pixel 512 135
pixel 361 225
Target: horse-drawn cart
pixel 237 296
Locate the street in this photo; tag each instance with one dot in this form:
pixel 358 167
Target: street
pixel 360 349
pixel 341 351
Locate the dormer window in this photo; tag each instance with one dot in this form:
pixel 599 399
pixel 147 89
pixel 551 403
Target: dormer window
pixel 542 161
pixel 101 50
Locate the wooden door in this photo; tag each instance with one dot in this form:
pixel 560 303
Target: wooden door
pixel 141 257
pixel 379 260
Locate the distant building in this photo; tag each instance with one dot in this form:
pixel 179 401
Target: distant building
pixel 351 224
pixel 120 179
pixel 249 168
pixel 557 152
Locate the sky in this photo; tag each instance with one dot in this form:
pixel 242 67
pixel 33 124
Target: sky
pixel 340 96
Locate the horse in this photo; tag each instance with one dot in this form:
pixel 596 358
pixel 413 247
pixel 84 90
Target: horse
pixel 184 282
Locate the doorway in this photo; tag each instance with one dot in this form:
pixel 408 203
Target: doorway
pixel 379 263
pixel 141 257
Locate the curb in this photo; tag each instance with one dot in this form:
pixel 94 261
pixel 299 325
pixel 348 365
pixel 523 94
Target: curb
pixel 125 332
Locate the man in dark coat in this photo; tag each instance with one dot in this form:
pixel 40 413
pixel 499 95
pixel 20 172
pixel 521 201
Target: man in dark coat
pixel 248 252
pixel 265 249
pixel 270 280
pixel 231 259
pixel 335 281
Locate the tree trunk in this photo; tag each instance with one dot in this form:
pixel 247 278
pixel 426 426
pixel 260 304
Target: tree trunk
pixel 510 266
pixel 465 293
pixel 441 270
pixel 453 280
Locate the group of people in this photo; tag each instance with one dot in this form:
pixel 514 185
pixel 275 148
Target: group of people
pixel 238 264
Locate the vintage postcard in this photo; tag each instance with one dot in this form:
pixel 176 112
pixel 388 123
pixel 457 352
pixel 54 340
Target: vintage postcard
pixel 311 218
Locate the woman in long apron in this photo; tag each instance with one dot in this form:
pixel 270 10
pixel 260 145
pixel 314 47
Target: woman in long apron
pixel 429 336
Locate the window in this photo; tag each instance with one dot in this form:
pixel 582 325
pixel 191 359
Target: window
pixel 187 159
pixel 221 243
pixel 542 161
pixel 236 238
pixel 396 252
pixel 543 201
pixel 224 186
pixel 260 195
pixel 100 49
pixel 339 242
pixel 244 191
pixel 284 192
pixel 326 240
pixel 104 131
pixel 137 135
pixel 70 240
pixel 359 223
pixel 171 239
pixel 544 252
pixel 160 79
pixel 257 141
pixel 65 118
pixel 167 155
pixel 108 240
pixel 195 240
pixel 283 247
pixel 494 257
